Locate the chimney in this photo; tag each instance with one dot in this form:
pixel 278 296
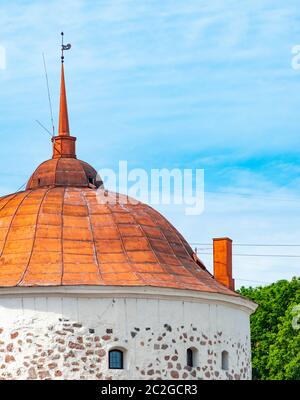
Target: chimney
pixel 223 261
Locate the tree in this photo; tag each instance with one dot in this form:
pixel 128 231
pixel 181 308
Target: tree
pixel 275 330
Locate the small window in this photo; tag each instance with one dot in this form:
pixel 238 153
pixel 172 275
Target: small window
pixel 115 359
pixel 189 358
pixel 225 360
pixel 91 180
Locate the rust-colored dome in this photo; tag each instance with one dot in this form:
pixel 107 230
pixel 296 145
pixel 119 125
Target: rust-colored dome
pixel 64 172
pixel 78 236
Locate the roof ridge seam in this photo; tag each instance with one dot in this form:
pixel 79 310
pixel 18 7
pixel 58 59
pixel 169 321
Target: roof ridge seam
pixel 62 235
pixel 11 222
pixel 34 237
pixel 151 247
pixel 93 235
pixel 55 173
pixel 121 238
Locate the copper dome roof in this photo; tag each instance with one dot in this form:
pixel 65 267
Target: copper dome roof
pixel 64 172
pixel 63 231
pixel 66 236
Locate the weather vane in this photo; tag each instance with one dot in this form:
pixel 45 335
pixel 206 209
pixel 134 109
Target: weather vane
pixel 64 47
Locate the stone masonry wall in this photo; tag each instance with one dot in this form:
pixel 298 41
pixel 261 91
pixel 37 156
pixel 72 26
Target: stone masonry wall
pixel 38 343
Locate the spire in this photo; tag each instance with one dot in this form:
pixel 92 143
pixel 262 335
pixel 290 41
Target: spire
pixel 63 143
pixel 63 126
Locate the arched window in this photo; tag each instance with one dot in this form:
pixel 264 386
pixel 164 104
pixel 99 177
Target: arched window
pixel 225 360
pixel 115 359
pixel 189 358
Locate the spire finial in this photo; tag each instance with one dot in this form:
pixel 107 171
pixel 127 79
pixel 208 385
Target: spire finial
pixel 63 128
pixel 64 47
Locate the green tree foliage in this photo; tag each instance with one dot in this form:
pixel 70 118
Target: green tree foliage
pixel 275 342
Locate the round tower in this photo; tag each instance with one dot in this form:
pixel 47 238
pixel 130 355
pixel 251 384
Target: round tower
pixel 97 289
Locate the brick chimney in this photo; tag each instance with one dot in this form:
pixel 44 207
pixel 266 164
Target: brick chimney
pixel 223 261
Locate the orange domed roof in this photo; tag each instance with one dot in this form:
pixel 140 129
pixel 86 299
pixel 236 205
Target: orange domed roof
pixel 76 236
pixel 64 172
pixel 62 230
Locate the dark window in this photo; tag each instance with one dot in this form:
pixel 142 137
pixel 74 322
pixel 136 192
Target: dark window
pixel 91 180
pixel 115 359
pixel 189 358
pixel 225 360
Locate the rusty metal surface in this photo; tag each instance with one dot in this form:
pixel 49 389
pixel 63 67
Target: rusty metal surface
pixel 63 172
pixel 63 236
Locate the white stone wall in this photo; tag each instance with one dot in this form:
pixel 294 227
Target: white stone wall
pixel 68 336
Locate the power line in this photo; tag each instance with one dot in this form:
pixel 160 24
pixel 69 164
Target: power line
pixel 262 255
pixel 250 280
pixel 250 195
pixel 250 245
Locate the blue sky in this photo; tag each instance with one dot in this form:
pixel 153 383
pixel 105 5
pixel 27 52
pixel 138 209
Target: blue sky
pixel 187 84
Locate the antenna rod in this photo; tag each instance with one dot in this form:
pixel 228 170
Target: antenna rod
pixel 49 97
pixel 43 127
